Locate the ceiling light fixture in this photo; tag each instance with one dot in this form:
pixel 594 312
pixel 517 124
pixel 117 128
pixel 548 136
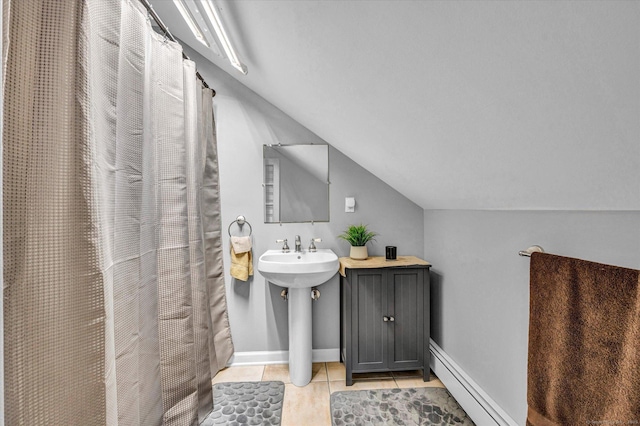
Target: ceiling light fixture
pixel 214 18
pixel 193 26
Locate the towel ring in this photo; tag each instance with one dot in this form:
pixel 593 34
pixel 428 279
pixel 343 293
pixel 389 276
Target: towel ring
pixel 240 220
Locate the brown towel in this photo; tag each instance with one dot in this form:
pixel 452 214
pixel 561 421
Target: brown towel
pixel 584 343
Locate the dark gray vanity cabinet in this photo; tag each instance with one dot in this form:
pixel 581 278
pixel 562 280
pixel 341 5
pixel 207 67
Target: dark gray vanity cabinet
pixel 384 319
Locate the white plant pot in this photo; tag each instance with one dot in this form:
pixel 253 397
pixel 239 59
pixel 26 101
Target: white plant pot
pixel 359 253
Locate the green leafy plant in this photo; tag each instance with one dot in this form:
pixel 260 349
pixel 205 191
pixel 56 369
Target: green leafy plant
pixel 358 235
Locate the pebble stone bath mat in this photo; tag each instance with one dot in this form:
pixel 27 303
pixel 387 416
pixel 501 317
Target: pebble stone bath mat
pixel 416 406
pixel 246 403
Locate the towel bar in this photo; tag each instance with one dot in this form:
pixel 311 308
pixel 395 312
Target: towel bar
pixel 532 249
pixel 240 220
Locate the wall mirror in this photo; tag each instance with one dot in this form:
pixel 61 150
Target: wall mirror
pixel 296 183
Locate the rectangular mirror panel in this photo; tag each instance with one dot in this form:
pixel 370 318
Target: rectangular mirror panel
pixel 296 183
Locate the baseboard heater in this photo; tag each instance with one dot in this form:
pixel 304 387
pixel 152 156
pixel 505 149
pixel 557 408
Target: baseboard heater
pixel 478 405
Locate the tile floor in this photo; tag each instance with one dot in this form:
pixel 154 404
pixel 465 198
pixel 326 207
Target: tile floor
pixel 310 405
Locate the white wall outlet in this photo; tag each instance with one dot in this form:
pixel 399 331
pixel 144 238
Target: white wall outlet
pixel 349 205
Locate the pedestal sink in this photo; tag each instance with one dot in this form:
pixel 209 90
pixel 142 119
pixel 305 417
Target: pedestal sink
pixel 299 272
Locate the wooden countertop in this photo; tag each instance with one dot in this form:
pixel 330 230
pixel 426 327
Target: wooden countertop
pixel 379 262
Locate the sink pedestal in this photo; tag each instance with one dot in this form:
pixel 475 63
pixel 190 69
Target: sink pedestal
pixel 300 345
pixel 299 272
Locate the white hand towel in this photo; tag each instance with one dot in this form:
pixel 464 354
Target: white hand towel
pixel 241 244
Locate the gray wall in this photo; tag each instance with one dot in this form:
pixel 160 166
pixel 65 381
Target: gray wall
pixel 480 286
pixel 245 122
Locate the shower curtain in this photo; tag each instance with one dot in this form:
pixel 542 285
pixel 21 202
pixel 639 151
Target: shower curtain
pixel 114 299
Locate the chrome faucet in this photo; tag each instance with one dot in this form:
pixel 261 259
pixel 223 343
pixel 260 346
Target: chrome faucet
pixel 312 246
pixel 285 246
pixel 298 248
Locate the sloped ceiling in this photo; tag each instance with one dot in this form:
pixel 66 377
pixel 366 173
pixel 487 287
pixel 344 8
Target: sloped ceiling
pixel 457 105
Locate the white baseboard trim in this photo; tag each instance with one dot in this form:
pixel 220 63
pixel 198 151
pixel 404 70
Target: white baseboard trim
pixel 479 406
pixel 280 357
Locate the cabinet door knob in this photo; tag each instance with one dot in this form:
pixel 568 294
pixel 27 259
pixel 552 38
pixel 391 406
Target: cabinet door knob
pixel 385 319
pixel 392 319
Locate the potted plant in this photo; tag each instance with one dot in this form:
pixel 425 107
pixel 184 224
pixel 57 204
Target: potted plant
pixel 358 236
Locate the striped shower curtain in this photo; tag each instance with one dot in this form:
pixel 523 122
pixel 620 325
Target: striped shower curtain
pixel 114 300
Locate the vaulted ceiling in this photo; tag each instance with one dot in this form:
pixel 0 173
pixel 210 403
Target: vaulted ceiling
pixel 455 104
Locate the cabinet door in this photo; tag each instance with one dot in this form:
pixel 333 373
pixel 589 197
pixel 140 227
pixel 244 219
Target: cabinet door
pixel 368 305
pixel 405 294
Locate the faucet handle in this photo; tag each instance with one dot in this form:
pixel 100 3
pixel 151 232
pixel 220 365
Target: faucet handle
pixel 312 246
pixel 285 246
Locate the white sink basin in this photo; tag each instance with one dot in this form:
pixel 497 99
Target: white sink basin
pixel 298 270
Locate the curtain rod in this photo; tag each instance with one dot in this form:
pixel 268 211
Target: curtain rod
pixel 167 33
